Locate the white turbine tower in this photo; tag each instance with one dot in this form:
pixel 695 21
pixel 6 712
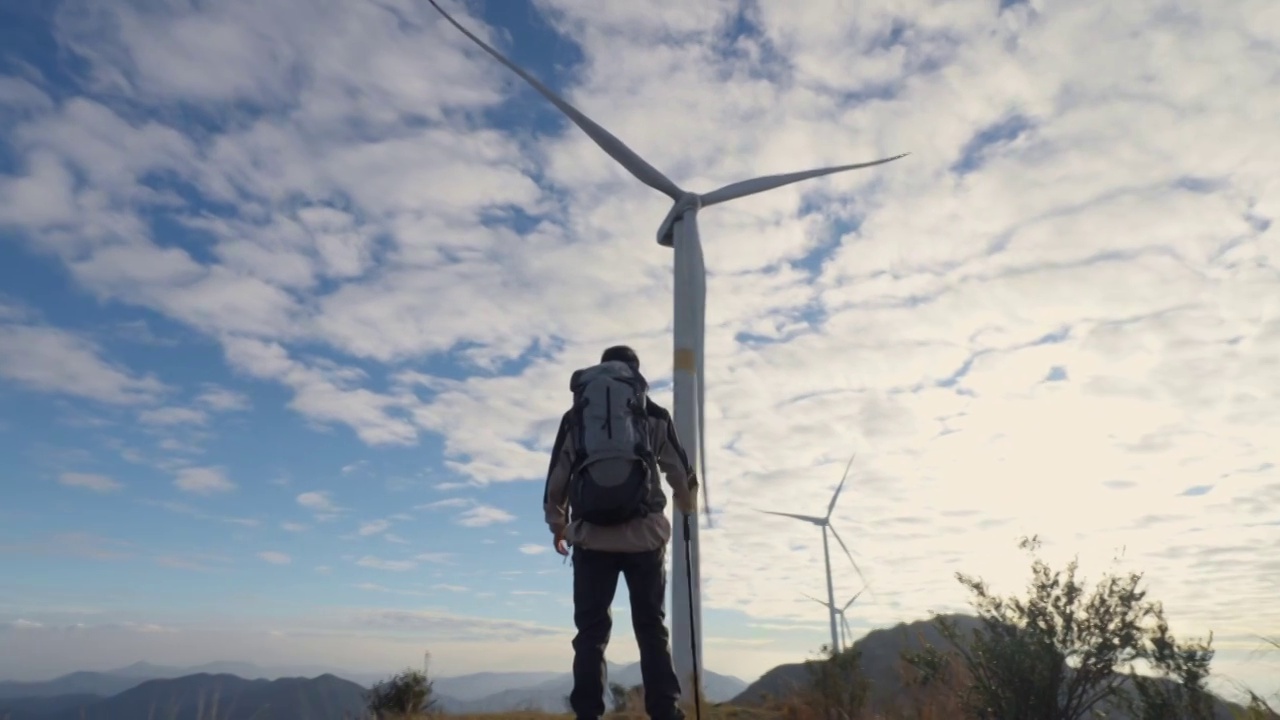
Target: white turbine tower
pixel 679 230
pixel 846 634
pixel 825 523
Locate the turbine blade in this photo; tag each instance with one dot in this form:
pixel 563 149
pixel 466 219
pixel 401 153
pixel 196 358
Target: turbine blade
pixel 743 188
pixel 846 605
pixel 849 554
pixel 831 508
pixel 636 165
pixel 807 518
pixel 820 602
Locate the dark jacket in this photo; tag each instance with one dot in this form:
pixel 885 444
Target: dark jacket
pixel 646 533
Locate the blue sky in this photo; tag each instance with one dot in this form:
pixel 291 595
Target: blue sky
pixel 289 299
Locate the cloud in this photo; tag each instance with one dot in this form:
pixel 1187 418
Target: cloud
pixel 484 516
pixel 293 526
pixel 219 399
pixel 52 360
pixel 203 481
pixel 21 624
pixel 374 527
pixel 96 483
pixel 317 500
pixel 370 561
pixel 446 626
pixel 433 557
pixel 533 549
pixel 447 503
pixel 275 558
pixel 199 562
pixel 184 509
pixel 77 545
pixel 173 416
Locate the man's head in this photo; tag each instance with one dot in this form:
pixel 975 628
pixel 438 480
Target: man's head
pixel 621 353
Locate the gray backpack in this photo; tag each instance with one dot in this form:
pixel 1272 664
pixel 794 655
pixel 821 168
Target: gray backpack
pixel 615 467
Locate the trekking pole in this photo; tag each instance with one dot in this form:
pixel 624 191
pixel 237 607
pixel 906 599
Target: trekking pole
pixel 693 628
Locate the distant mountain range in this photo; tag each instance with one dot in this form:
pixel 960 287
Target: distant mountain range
pixel 242 691
pixel 201 696
pixel 122 692
pixel 549 694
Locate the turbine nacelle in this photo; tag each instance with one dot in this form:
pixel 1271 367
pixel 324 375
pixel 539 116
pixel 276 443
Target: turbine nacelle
pixel 687 202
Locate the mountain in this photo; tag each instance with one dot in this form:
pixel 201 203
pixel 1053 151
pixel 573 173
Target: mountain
pixel 113 682
pixel 881 650
pixel 881 664
pixel 76 683
pixel 195 697
pixel 468 688
pixel 549 695
pixel 34 708
pixel 477 692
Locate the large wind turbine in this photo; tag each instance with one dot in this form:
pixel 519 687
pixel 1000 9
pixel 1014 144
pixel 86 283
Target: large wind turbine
pixel 824 522
pixel 679 230
pixel 846 634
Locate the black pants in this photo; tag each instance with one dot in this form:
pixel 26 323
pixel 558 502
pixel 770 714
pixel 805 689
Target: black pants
pixel 595 580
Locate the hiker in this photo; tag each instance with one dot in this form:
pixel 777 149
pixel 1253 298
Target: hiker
pixel 604 467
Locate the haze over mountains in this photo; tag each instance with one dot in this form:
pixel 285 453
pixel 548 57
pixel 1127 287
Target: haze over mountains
pixel 311 692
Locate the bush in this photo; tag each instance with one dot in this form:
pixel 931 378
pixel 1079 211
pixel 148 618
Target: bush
pixel 406 694
pixel 1060 654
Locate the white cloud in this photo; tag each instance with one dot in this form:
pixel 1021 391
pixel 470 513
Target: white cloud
pixel 293 526
pixel 49 359
pixel 374 527
pixel 370 561
pixel 533 549
pixel 447 503
pixel 89 481
pixel 483 516
pixel 433 557
pixel 317 500
pixel 275 558
pixel 220 399
pixel 203 480
pixel 173 416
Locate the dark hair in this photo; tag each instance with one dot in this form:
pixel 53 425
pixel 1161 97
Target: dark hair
pixel 621 353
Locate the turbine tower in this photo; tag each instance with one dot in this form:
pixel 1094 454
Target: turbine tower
pixel 825 523
pixel 679 230
pixel 845 633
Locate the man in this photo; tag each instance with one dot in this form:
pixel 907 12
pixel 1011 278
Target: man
pixel 634 547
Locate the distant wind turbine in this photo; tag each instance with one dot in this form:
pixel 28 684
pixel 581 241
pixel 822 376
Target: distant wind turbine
pixel 846 635
pixel 679 230
pixel 825 523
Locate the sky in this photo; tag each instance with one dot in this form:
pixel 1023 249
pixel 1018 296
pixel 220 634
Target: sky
pixel 290 295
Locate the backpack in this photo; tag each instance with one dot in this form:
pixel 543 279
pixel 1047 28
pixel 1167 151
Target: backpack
pixel 614 469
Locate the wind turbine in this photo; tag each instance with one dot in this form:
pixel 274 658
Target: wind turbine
pixel 679 230
pixel 845 633
pixel 825 523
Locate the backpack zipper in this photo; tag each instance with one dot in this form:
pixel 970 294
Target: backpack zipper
pixel 608 411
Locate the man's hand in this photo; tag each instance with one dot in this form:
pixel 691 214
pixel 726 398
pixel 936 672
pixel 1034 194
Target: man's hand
pixel 560 544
